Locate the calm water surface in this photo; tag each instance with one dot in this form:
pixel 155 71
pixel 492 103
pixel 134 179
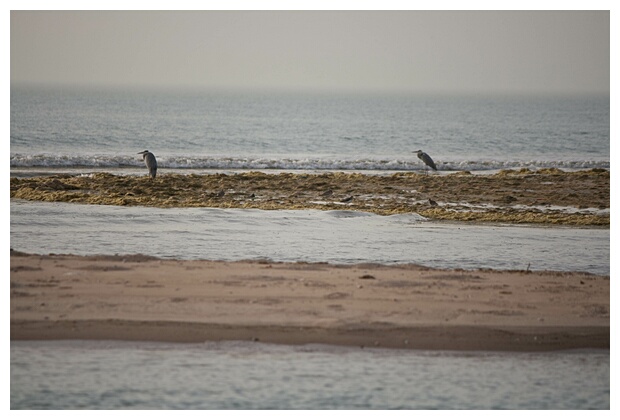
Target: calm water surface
pixel 236 375
pixel 334 236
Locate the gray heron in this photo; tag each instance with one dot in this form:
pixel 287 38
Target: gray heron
pixel 426 159
pixel 150 161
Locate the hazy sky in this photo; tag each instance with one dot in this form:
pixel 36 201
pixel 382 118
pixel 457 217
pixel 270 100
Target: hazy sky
pixel 466 52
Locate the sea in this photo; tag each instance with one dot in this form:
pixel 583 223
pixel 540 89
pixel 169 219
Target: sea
pixel 202 130
pixel 83 131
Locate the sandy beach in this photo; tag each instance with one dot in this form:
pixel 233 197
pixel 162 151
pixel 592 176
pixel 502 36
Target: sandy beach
pixel 144 298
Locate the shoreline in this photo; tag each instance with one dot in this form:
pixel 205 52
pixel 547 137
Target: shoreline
pixel 436 338
pixel 365 305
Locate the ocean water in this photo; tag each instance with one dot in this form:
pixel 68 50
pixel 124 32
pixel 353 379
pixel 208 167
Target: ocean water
pixel 99 130
pixel 85 131
pixel 240 375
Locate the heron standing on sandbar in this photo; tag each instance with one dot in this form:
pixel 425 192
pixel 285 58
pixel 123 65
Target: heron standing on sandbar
pixel 426 159
pixel 151 162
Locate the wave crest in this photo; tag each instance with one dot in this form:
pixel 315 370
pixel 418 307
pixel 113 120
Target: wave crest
pixel 287 163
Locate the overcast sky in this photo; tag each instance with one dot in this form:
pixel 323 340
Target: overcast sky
pixel 409 51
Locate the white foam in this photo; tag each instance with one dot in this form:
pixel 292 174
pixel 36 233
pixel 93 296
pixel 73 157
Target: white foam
pixel 288 163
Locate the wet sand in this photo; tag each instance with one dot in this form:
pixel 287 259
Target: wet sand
pixel 547 196
pixel 144 298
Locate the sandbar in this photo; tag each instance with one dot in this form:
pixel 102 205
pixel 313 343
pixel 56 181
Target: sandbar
pixel 137 297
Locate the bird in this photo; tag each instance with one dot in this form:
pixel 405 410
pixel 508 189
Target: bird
pixel 151 162
pixel 426 159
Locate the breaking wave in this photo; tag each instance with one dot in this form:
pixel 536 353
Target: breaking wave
pixel 288 163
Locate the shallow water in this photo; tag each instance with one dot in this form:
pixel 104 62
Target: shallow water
pixel 236 375
pixel 298 235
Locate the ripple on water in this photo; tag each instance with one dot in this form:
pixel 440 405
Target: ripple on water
pixel 229 375
pixel 302 235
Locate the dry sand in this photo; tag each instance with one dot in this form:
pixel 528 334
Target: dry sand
pixel 143 298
